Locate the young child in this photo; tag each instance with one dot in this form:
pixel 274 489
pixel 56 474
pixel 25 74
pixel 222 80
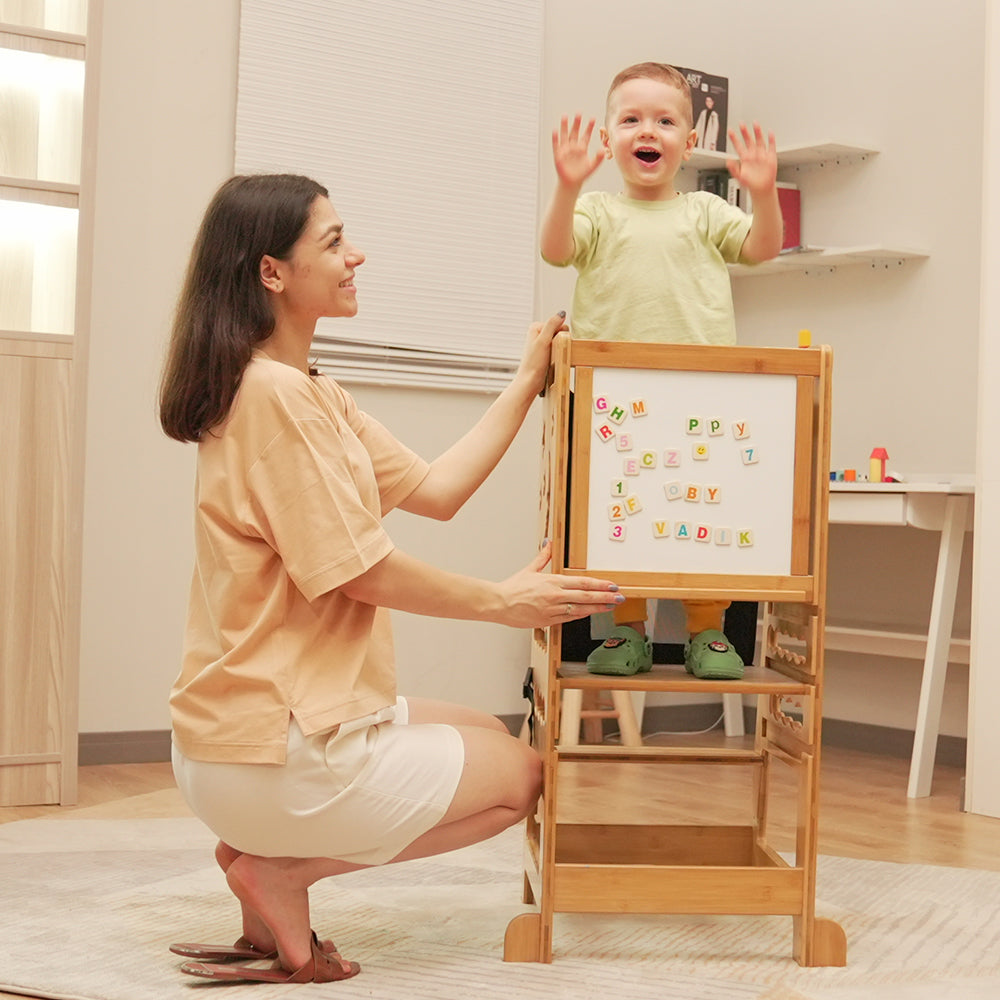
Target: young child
pixel 651 265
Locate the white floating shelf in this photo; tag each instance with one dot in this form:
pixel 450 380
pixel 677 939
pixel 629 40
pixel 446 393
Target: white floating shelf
pixel 799 157
pixel 824 260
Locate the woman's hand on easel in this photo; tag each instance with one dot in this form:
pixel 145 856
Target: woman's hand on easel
pixel 534 599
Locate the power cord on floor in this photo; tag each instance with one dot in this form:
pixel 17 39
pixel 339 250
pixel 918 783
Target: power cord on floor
pixel 666 732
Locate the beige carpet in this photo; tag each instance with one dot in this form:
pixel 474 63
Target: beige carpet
pixel 87 908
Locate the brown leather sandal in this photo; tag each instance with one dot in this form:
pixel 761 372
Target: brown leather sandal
pixel 322 967
pixel 242 948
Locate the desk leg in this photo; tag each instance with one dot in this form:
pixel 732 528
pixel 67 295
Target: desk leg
pixel 938 645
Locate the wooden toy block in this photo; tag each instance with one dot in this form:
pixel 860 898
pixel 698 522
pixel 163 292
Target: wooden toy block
pixel 618 488
pixel 633 505
pixel 623 442
pixel 638 407
pixel 694 425
pixel 744 538
pixel 647 459
pixel 692 493
pixel 631 467
pixel 605 432
pixel 672 458
pixel 661 529
pixel 616 511
pixel 805 338
pixel 617 414
pixel 750 455
pixel 715 427
pixel 699 452
pixel 713 494
pixel 850 475
pixel 674 490
pixel 877 460
pixel 741 430
pixel 617 533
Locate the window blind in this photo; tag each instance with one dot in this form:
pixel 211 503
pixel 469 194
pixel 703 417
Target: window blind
pixel 422 119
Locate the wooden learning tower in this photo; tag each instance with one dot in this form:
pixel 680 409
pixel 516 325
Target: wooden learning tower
pixel 757 422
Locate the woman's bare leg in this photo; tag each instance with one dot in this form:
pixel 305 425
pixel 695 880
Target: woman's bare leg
pixel 500 784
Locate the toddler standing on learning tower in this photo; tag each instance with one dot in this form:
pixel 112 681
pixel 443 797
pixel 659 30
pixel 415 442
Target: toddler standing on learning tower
pixel 651 266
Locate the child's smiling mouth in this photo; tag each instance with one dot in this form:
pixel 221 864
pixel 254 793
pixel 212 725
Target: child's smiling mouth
pixel 647 154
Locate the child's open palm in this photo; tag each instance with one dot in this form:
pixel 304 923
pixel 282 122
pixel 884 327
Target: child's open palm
pixel 757 165
pixel 573 159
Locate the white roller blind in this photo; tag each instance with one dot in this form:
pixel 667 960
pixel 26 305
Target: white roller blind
pixel 421 117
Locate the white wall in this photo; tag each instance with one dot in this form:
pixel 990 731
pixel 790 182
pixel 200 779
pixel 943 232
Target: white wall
pixel 892 74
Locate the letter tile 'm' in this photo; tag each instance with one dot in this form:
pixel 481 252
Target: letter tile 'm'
pixel 617 414
pixel 605 432
pixel 682 530
pixel 648 459
pixel 699 452
pixel 617 533
pixel 703 533
pixel 624 442
pixel 601 404
pixel 694 425
pixel 692 493
pixel 715 428
pixel 618 488
pixel 674 491
pixel 616 511
pixel 672 458
pixel 633 505
pixel 638 407
pixel 723 536
pixel 741 429
pixel 661 529
pixel 631 466
pixel 744 538
pixel 713 494
pixel 750 455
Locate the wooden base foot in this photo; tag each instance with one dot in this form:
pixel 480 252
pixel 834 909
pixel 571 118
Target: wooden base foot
pixel 829 944
pixel 523 940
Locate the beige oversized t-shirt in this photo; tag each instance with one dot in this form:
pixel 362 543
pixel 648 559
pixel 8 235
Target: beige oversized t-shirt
pixel 291 491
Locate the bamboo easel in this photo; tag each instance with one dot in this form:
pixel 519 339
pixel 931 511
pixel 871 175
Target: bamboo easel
pixel 695 869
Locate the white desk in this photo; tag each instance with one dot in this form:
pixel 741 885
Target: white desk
pixel 934 506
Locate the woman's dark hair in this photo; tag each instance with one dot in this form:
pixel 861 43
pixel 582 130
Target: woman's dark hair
pixel 223 310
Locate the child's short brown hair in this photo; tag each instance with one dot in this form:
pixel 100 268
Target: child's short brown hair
pixel 655 71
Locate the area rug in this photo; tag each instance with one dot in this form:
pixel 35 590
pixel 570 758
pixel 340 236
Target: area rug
pixel 87 908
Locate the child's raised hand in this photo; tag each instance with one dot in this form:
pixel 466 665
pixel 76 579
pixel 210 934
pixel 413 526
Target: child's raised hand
pixel 573 159
pixel 757 166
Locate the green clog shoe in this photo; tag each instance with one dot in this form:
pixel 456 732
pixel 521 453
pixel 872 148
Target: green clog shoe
pixel 622 654
pixel 710 656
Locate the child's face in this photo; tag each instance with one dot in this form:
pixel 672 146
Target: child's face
pixel 648 134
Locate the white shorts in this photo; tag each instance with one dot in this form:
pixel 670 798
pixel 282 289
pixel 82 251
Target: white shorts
pixel 361 792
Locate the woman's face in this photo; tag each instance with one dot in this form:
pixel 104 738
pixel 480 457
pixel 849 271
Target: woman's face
pixel 318 277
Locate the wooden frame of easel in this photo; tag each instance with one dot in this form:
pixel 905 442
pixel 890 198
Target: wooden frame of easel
pixel 696 869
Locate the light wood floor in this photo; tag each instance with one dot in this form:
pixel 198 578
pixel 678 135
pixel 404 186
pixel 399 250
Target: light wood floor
pixel 864 811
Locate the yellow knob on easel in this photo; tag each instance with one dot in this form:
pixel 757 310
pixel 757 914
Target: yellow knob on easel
pixel 805 338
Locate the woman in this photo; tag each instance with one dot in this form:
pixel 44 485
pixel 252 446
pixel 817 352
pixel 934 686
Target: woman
pixel 289 740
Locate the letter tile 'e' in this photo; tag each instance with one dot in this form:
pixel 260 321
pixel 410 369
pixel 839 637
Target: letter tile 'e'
pixel 723 536
pixel 699 452
pixel 616 511
pixel 617 533
pixel 682 530
pixel 741 429
pixel 661 529
pixel 744 538
pixel 617 414
pixel 605 432
pixel 601 404
pixel 703 533
pixel 672 458
pixel 694 425
pixel 638 407
pixel 624 442
pixel 674 491
pixel 713 494
pixel 750 455
pixel 715 427
pixel 631 466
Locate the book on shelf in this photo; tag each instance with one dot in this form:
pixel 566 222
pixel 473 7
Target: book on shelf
pixel 710 106
pixel 790 200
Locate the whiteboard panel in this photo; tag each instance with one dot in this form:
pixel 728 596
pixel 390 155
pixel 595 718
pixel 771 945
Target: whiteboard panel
pixel 728 510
